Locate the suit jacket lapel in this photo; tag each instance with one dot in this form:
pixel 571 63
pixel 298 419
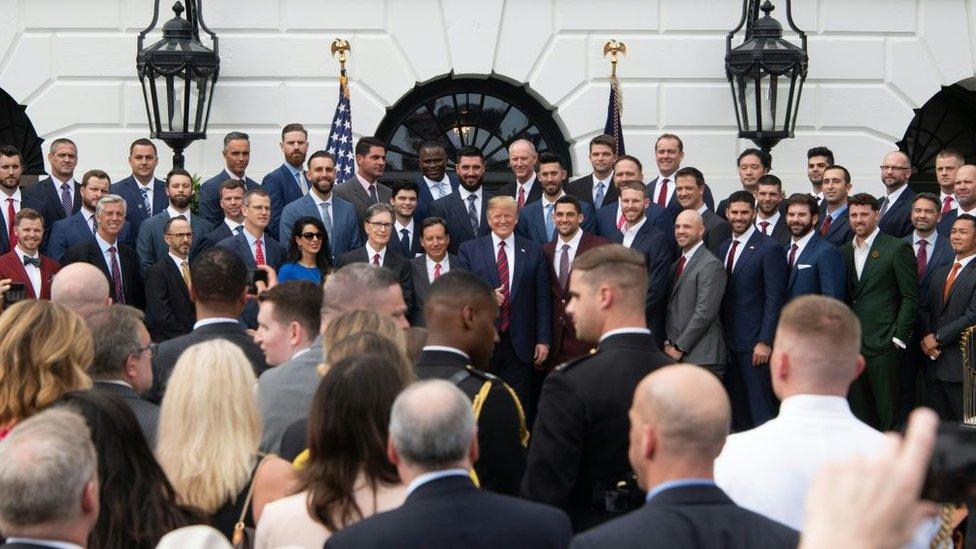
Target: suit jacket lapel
pixel 245 248
pixel 519 254
pixel 490 260
pixel 808 251
pixel 871 260
pixel 690 265
pixel 962 276
pixel 747 251
pixel 175 272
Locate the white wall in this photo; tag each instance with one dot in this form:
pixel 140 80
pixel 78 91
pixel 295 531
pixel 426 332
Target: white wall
pixel 871 62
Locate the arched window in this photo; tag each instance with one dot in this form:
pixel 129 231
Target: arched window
pixel 487 113
pixel 16 129
pixel 944 122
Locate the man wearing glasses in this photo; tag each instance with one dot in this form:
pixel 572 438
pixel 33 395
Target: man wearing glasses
pixel 378 225
pixel 151 245
pixel 169 309
pixel 895 207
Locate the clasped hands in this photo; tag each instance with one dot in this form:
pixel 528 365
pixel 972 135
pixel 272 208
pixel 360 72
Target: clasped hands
pixel 931 347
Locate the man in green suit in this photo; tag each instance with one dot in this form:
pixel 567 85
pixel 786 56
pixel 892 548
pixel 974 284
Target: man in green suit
pixel 883 292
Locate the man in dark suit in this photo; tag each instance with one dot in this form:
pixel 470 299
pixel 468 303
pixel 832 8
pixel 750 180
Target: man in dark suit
pixel 287 183
pixel 24 263
pixel 834 226
pixel 522 159
pixel 429 266
pixel 752 164
pixel 49 478
pixel 669 151
pixel 895 208
pixel 59 192
pixel 253 244
pixel 815 266
pixel 460 340
pixel 610 218
pixel 80 226
pixel 516 269
pixel 434 181
pixel 465 210
pixel 689 187
pixel 696 285
pixel 433 443
pixel 597 188
pixel 405 238
pixel 673 452
pixel 169 310
pixel 379 225
pixel 570 242
pixel 338 216
pixel 818 160
pixel 756 266
pixel 947 311
pixel 122 362
pixel 144 194
pixel 770 214
pixel 882 290
pixel 965 194
pixel 219 292
pixel 364 189
pixel 237 157
pixel 13 199
pixel 114 258
pixel 578 457
pixel 638 234
pixel 535 220
pixel 151 244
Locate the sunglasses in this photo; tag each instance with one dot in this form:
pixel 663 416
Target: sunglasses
pixel 312 236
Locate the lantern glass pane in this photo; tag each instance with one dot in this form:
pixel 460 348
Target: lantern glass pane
pixel 779 101
pixel 200 94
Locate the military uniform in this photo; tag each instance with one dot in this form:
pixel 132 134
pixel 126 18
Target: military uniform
pixel 502 434
pixel 578 454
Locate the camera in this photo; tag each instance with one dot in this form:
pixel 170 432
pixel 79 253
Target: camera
pixel 16 292
pixel 253 277
pixel 951 476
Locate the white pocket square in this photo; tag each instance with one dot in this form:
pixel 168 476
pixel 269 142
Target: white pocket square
pixel 801 267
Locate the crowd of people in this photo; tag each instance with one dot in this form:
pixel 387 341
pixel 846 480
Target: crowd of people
pixel 437 363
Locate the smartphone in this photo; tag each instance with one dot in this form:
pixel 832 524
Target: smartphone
pixel 952 472
pixel 16 292
pixel 253 277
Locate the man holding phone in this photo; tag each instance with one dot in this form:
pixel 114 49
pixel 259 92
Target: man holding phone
pixel 29 272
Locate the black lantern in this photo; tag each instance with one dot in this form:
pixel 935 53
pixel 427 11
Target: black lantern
pixel 766 74
pixel 178 75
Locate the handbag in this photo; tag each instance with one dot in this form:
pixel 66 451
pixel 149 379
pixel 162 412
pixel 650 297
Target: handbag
pixel 243 536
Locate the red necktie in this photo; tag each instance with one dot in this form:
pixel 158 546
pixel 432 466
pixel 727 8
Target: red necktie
pixel 622 220
pixel 947 204
pixel 521 197
pixel 730 262
pixel 258 253
pixel 10 223
pixel 376 260
pixel 681 267
pixel 922 259
pixel 504 312
pixel 826 225
pixel 662 195
pixel 763 226
pixel 950 280
pixel 437 271
pixel 793 255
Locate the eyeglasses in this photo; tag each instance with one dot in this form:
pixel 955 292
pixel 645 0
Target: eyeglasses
pixel 381 225
pixel 886 168
pixel 180 235
pixel 312 236
pixel 151 348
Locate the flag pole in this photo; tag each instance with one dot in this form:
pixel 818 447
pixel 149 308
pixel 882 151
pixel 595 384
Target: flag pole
pixel 613 127
pixel 340 142
pixel 341 46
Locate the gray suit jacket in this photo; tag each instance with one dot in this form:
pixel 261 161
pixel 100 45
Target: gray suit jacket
pixel 717 230
pixel 421 285
pixel 147 413
pixel 151 246
pixel 694 302
pixel 351 190
pixel 285 394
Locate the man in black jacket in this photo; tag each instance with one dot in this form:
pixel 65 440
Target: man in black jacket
pixel 169 311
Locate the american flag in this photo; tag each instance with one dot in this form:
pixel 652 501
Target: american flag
pixel 614 106
pixel 340 136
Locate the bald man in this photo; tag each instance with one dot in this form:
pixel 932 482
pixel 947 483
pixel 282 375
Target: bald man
pixel 965 193
pixel 81 287
pixel 896 205
pixel 678 423
pixel 816 357
pixel 522 159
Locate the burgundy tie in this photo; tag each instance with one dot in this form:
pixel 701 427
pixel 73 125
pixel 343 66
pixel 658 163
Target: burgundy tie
pixel 922 259
pixel 437 271
pixel 730 262
pixel 826 225
pixel 504 312
pixel 681 267
pixel 947 204
pixel 793 254
pixel 764 226
pixel 521 197
pixel 116 277
pixel 376 260
pixel 662 195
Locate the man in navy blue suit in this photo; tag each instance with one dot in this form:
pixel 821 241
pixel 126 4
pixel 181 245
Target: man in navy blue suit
pixel 80 227
pixel 59 192
pixel 12 199
pixel 896 205
pixel 465 211
pixel 597 188
pixel 338 216
pixel 770 209
pixel 287 183
pixel 536 221
pixel 405 239
pixel 816 267
pixel 252 244
pixel 522 158
pixel 669 151
pixel 834 225
pixel 517 269
pixel 434 180
pixel 237 156
pixel 144 193
pixel 151 242
pixel 752 164
pixel 640 235
pixel 754 296
pixel 690 189
pixel 232 205
pixel 610 218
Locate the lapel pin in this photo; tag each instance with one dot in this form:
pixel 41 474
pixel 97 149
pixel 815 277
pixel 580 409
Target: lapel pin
pixel 876 254
pixel 752 247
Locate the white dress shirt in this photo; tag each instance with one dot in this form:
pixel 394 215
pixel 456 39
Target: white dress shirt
pixel 214 320
pixel 631 232
pixel 772 220
pixel 179 261
pixel 151 186
pixel 743 240
pixel 446 349
pixel 432 186
pixel 962 262
pixel 800 244
pixel 703 208
pixel 370 252
pixel 252 244
pixel 620 331
pixel 930 239
pixel 862 249
pixel 173 212
pixel 56 183
pixel 509 254
pixel 4 205
pixel 434 475
pixel 573 242
pixel 54 544
pixel 769 469
pixel 606 187
pixel 397 227
pixel 33 272
pixel 527 186
pixel 657 189
pixel 232 225
pixel 464 194
pixel 952 205
pixel 445 266
pixel 893 197
pixel 691 253
pixel 89 218
pixel 104 246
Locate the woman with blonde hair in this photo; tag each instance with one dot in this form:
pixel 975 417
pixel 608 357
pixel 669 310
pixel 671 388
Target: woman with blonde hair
pixel 45 352
pixel 209 431
pixel 357 322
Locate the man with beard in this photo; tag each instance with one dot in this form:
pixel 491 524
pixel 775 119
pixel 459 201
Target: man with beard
pixel 287 184
pixel 752 164
pixel 818 160
pixel 536 220
pixel 80 227
pixel 895 208
pixel 237 157
pixel 946 164
pixel 834 224
pixel 816 267
pixel 689 187
pixel 770 218
pixel 435 181
pixel 610 219
pixel 151 244
pixel 24 263
pixel 338 216
pixel 169 310
pixel 12 200
pixel 465 211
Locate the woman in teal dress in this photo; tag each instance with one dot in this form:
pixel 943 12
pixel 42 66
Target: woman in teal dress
pixel 308 252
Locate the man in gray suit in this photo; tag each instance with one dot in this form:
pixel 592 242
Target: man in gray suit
pixel 288 334
pixel 151 244
pixel 122 363
pixel 427 268
pixel 364 189
pixel 690 189
pixel 697 284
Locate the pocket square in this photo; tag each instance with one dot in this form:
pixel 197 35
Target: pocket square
pixel 801 267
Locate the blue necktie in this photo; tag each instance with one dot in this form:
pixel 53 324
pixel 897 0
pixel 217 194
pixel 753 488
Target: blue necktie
pixel 598 199
pixel 405 242
pixel 550 223
pixel 146 204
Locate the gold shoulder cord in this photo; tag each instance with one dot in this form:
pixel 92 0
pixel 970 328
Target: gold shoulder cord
pixel 943 538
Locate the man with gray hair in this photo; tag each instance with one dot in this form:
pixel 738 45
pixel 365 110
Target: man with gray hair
pixel 122 363
pixel 237 156
pixel 378 224
pixel 433 443
pixel 361 286
pixel 48 482
pixel 82 288
pixel 522 158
